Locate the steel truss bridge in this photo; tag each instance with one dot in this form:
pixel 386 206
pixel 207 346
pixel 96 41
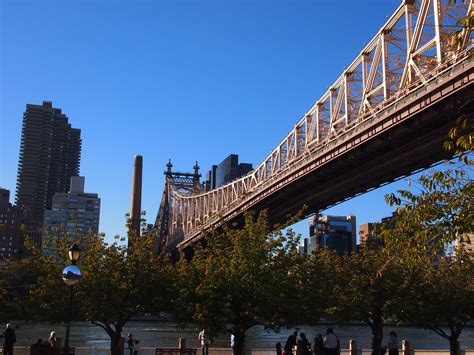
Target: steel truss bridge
pixel 386 116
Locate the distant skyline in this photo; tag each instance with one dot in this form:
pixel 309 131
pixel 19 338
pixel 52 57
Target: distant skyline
pixel 188 80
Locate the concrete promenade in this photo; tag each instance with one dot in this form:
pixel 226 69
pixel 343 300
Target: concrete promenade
pixel 25 350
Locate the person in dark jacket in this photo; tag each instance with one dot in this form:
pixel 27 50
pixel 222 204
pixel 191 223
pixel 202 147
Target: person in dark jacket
pixel 278 349
pixel 318 345
pixel 131 341
pixel 40 348
pixel 290 343
pixel 392 345
pixel 305 345
pixel 9 338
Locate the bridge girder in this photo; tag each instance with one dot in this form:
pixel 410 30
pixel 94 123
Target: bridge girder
pixel 384 117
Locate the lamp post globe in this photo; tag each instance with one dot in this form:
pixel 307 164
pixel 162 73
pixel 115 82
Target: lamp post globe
pixel 71 275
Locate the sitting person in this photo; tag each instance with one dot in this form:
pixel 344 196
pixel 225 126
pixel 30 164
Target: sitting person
pixel 40 347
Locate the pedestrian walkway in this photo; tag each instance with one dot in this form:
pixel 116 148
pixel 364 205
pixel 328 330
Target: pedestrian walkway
pixel 25 350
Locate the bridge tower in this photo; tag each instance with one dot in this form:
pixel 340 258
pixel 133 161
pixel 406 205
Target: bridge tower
pixel 169 234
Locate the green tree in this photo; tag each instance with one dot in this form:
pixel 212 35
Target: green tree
pixel 320 283
pixel 366 290
pixel 440 212
pixel 121 282
pixel 461 137
pixel 12 287
pixel 117 283
pixel 442 299
pixel 241 278
pixel 45 294
pixel 437 213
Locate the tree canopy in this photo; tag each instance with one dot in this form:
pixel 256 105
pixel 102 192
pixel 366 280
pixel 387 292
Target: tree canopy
pixel 241 278
pixel 117 283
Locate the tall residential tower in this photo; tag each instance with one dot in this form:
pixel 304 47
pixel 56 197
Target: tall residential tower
pixel 75 213
pixel 50 154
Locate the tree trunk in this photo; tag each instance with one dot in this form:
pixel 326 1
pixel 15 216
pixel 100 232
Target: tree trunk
pixel 377 334
pixel 115 348
pixel 239 342
pixel 453 345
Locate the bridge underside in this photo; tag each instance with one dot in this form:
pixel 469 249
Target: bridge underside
pixel 414 145
pixel 394 145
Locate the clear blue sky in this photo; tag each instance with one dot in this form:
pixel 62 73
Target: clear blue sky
pixel 182 79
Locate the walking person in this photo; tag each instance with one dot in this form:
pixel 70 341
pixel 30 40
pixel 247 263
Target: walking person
pixel 130 343
pixel 136 347
pixel 305 345
pixel 9 339
pixel 205 341
pixel 330 343
pixel 290 343
pixel 392 345
pixel 53 340
pixel 53 343
pixel 318 345
pixel 278 349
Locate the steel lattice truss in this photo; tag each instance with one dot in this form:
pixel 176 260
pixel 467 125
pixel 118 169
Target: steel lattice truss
pixel 413 47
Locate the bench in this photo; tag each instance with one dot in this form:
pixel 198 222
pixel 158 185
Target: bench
pixel 46 350
pixel 174 351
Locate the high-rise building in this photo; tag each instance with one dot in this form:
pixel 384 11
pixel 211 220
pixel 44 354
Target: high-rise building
pixel 367 237
pixel 336 233
pixel 11 219
pixel 365 232
pixel 226 171
pixel 210 183
pixel 50 153
pixel 71 214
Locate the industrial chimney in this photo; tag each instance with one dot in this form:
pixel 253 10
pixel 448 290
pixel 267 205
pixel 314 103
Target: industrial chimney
pixel 136 201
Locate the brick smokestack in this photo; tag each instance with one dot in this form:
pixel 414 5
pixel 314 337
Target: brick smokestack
pixel 136 201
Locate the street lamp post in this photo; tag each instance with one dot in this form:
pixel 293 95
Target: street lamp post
pixel 71 275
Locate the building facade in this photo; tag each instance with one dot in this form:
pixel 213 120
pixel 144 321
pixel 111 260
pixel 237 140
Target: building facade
pixel 72 214
pixel 226 171
pixel 336 233
pixel 50 153
pixel 365 233
pixel 11 220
